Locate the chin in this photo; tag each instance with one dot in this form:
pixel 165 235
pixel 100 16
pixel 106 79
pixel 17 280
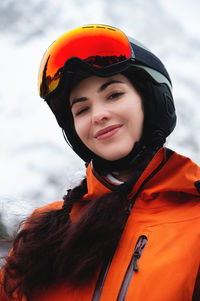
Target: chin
pixel 116 156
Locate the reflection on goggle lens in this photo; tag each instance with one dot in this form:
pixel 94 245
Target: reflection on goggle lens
pixel 98 45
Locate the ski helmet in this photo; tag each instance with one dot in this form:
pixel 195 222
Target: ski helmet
pixel 104 51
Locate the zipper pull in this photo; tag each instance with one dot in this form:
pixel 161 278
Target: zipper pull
pixel 132 267
pixel 136 256
pixel 142 240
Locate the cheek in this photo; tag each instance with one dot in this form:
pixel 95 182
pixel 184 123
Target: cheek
pixel 140 114
pixel 140 121
pixel 136 116
pixel 77 128
pixel 81 128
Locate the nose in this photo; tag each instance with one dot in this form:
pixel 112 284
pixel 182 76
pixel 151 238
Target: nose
pixel 100 114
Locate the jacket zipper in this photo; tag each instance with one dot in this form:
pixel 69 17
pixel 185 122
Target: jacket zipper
pixel 132 268
pixel 104 271
pixel 101 279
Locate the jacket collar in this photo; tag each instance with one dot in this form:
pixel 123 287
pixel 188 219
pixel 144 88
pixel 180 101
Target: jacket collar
pixel 162 174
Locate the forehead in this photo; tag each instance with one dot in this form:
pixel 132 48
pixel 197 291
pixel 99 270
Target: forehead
pixel 93 83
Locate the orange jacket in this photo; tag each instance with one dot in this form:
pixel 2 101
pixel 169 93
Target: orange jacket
pixel 158 256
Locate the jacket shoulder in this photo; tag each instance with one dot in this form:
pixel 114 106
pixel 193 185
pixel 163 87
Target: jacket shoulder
pixel 48 207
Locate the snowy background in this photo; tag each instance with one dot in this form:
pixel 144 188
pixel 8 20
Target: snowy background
pixel 36 164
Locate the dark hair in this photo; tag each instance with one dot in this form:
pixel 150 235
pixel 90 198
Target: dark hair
pixel 53 248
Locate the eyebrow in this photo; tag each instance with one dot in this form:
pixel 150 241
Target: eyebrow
pixel 76 100
pixel 101 89
pixel 108 83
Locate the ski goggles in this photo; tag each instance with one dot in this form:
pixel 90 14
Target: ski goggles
pixel 97 45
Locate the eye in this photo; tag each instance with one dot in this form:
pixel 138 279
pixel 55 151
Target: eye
pixel 81 111
pixel 115 95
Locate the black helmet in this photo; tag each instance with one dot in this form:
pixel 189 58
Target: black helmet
pixel 104 51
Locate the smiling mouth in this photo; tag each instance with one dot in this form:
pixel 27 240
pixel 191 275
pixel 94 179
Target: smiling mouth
pixel 108 132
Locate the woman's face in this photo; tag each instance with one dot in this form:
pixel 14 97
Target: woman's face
pixel 108 115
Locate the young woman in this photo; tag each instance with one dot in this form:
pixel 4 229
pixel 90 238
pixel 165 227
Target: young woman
pixel 130 230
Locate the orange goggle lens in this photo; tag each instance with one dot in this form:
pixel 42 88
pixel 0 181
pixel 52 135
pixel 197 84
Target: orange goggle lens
pixel 98 45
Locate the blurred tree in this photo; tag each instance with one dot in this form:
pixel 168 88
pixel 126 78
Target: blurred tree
pixel 4 247
pixel 3 230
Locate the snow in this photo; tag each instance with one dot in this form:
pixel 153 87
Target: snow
pixel 37 166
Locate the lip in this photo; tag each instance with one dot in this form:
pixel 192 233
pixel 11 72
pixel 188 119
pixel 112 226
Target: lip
pixel 108 132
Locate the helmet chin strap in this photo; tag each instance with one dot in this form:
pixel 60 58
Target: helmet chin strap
pixel 124 163
pixel 136 154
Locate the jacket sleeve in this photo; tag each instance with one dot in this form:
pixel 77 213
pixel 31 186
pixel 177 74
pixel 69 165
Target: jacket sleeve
pixel 48 207
pixel 3 296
